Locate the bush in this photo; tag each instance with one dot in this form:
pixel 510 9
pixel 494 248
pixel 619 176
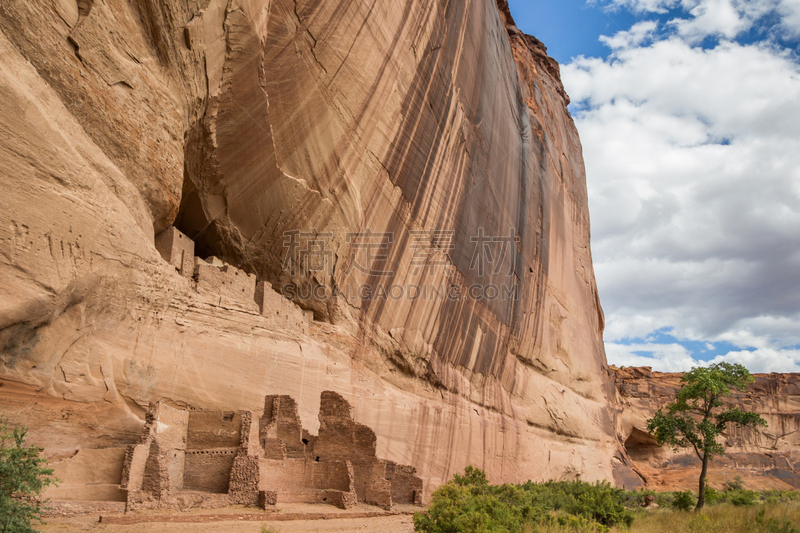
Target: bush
pixel 23 477
pixel 712 495
pixel 456 508
pixel 468 503
pixel 683 501
pixel 473 477
pixel 742 497
pixel 734 484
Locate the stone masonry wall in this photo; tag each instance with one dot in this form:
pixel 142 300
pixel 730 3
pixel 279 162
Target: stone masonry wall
pixel 209 470
pixel 207 458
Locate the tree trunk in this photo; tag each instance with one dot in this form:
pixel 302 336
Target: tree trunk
pixel 701 494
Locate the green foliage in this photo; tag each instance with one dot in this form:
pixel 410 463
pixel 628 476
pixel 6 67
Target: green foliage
pixel 693 419
pixel 742 497
pixel 683 501
pixel 734 484
pixel 473 477
pixel 23 477
pixel 469 504
pixel 636 498
pixel 712 495
pixel 690 421
pixel 455 508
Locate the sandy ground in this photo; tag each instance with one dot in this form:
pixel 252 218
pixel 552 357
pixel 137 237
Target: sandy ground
pixel 388 524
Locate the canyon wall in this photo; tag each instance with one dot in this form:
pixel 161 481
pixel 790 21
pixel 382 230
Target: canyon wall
pixel 765 459
pixel 345 156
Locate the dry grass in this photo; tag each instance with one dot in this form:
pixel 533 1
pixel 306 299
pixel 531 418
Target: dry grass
pixel 722 518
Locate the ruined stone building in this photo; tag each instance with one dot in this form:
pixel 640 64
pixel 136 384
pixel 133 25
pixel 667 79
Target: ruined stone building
pixel 207 459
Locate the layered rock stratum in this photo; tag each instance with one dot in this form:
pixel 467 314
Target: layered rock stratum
pixel 316 147
pixel 763 459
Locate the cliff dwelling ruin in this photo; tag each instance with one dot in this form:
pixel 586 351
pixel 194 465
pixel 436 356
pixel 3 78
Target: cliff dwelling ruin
pixel 189 459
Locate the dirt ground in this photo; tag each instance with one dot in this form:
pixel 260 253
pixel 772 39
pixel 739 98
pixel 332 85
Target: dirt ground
pixel 386 524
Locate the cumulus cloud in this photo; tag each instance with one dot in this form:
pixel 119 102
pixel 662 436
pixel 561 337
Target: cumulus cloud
pixel 642 6
pixel 789 11
pixel 693 167
pixel 721 18
pixel 713 17
pixel 675 358
pixel 638 34
pixel 764 360
pixel 661 357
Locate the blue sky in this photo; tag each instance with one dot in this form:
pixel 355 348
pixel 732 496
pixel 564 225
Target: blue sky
pixel 689 115
pixel 569 28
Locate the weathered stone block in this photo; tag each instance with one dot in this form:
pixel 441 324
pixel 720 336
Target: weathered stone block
pixel 282 312
pixel 177 249
pixel 267 497
pixel 226 281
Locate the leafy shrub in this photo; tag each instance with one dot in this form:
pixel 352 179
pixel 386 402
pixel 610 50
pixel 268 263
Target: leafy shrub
pixel 23 477
pixel 468 503
pixel 683 501
pixel 473 477
pixel 636 498
pixel 734 484
pixel 742 497
pixel 712 495
pixel 455 508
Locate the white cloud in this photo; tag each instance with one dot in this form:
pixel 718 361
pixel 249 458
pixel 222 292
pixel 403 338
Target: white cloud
pixel 764 360
pixel 790 14
pixel 642 6
pixel 693 168
pixel 661 357
pixel 675 358
pixel 638 34
pixel 713 17
pixel 721 18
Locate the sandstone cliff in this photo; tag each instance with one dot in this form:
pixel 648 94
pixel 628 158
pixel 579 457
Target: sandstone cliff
pixel 285 137
pixel 767 459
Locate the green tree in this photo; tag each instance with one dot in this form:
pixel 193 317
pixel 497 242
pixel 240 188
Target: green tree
pixel 23 477
pixel 694 419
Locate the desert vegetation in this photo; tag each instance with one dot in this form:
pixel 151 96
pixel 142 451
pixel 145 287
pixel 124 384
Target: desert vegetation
pixel 469 504
pixel 698 415
pixel 23 476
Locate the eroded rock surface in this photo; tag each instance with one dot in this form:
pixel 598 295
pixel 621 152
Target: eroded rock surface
pixel 261 130
pixel 765 459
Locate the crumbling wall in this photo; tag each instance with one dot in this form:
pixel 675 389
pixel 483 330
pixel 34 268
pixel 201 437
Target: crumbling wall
pixel 212 429
pixel 341 438
pixel 225 285
pixel 156 463
pixel 246 468
pixel 406 487
pixel 176 249
pixel 281 431
pixel 209 470
pixel 227 281
pixel 292 474
pixel 279 309
pixel 208 459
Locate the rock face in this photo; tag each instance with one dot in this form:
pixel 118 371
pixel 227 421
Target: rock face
pixel 767 459
pixel 404 174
